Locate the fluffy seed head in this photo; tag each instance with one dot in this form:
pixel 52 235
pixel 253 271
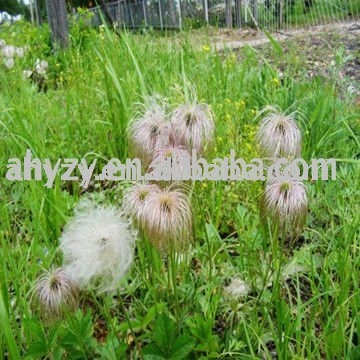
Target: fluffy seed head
pixel 135 198
pixel 279 135
pixel 27 74
pixel 9 63
pixel 19 52
pixel 56 293
pixel 41 66
pixel 176 155
pixel 8 51
pixel 145 132
pixel 98 247
pixel 167 218
pixel 284 203
pixel 237 288
pixel 194 125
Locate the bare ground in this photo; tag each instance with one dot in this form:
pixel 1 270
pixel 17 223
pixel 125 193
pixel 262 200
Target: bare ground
pixel 323 50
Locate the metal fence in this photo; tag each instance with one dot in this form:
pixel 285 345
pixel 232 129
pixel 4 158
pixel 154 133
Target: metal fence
pixel 141 13
pixel 269 14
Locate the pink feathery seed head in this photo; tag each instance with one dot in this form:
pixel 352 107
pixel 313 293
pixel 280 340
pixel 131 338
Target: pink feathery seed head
pixel 279 134
pixel 194 125
pixel 285 204
pixel 177 154
pixel 56 293
pixel 135 198
pixel 145 132
pixel 168 218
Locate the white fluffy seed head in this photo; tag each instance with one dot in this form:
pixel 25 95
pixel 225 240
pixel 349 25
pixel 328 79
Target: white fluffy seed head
pixel 167 218
pixel 279 135
pixel 27 74
pixel 55 294
pixel 98 246
pixel 284 204
pixel 237 288
pixel 41 66
pixel 9 63
pixel 8 51
pixel 146 131
pixel 20 52
pixel 193 125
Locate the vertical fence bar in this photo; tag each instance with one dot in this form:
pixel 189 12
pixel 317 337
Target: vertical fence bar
pixel 144 2
pixel 281 14
pixel 254 12
pixel 179 10
pixel 160 15
pixel 206 11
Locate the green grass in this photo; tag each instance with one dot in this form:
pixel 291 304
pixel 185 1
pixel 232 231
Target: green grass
pixel 177 308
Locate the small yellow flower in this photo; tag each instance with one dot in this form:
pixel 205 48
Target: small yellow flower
pixel 206 48
pixel 240 103
pixel 275 82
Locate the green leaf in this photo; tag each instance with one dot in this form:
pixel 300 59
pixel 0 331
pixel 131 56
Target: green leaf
pixel 182 347
pixel 6 327
pixel 164 332
pixel 275 44
pixel 153 352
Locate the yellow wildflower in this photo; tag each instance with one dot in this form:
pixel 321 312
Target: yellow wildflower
pixel 206 48
pixel 275 82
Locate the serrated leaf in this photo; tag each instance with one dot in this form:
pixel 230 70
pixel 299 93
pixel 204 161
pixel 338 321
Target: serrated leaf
pixel 153 352
pixel 182 347
pixel 164 332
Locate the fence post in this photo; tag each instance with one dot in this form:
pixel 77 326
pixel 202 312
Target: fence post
pixel 228 13
pixel 238 13
pixel 58 20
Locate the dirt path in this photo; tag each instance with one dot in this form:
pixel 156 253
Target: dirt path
pixel 236 39
pixel 327 50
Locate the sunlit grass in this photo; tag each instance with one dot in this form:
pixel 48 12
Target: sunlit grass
pixel 93 91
